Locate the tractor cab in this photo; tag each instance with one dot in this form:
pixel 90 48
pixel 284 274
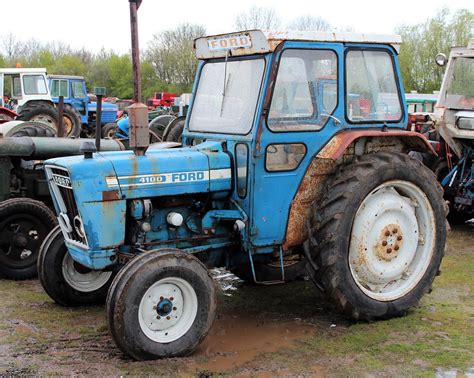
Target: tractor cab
pixel 455 107
pixel 25 85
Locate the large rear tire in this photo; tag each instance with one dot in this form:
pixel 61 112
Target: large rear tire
pixel 72 121
pixel 67 282
pixel 378 236
pixel 40 112
pixel 174 132
pixel 24 224
pixel 161 304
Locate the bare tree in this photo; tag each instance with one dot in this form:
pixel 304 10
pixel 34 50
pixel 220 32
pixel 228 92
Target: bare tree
pixel 10 46
pixel 258 18
pixel 310 23
pixel 172 55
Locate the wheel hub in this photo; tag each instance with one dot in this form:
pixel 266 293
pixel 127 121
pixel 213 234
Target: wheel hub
pixel 164 307
pixel 389 243
pixel 167 309
pixel 20 240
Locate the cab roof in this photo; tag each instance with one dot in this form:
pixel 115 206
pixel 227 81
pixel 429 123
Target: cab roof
pixel 263 41
pixel 17 71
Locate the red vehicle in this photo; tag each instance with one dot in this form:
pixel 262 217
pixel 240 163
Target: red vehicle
pixel 161 99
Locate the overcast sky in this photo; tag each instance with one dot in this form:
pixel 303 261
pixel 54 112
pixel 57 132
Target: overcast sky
pixel 105 23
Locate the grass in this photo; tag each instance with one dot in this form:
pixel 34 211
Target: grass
pixel 39 337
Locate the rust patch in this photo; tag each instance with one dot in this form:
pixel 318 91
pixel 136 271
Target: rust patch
pixel 411 141
pixel 309 191
pixel 110 195
pixel 389 243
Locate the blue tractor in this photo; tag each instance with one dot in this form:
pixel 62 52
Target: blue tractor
pixel 79 112
pixel 294 154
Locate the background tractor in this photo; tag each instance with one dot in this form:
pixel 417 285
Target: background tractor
pixel 294 152
pixel 454 117
pixel 28 96
pixel 25 202
pixel 79 112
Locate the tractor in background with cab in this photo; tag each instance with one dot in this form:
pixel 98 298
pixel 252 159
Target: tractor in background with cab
pixel 294 154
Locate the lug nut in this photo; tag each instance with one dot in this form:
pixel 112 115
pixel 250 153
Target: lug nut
pixel 168 317
pixel 387 233
pixel 395 230
pixel 158 317
pixel 389 250
pixel 161 298
pixel 399 237
pixel 171 299
pixel 174 308
pixel 154 307
pixel 396 247
pixel 384 243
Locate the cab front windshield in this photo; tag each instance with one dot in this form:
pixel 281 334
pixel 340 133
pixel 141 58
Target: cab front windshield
pixel 226 96
pixel 460 91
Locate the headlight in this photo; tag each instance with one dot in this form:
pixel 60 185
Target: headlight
pixel 441 59
pixel 465 123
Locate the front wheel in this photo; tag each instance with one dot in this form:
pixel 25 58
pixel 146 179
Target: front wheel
pixel 67 282
pixel 378 236
pixel 161 304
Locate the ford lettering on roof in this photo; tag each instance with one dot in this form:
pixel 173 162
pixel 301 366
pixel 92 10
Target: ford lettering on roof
pixel 261 42
pixel 230 42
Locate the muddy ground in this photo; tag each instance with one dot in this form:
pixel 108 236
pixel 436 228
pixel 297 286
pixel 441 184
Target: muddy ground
pixel 260 331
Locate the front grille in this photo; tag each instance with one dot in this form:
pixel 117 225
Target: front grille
pixel 69 219
pixel 107 117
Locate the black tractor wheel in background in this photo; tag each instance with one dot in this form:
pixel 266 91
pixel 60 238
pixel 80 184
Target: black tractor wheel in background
pixel 33 129
pixel 109 130
pixel 24 223
pixel 378 235
pixel 67 282
pixel 40 112
pixel 174 131
pixel 161 304
pixel 72 121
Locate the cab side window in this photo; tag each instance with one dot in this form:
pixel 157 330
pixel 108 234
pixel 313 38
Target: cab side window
pixel 305 91
pixel 372 93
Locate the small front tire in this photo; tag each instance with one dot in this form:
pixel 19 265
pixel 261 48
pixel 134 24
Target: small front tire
pixel 67 282
pixel 161 304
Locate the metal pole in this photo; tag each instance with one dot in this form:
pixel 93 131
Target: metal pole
pixel 61 128
pixel 98 123
pixel 137 86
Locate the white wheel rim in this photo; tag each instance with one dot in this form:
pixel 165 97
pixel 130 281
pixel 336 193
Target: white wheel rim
pixel 84 282
pixel 392 240
pixel 173 294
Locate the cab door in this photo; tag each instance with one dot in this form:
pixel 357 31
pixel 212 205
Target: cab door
pixel 304 112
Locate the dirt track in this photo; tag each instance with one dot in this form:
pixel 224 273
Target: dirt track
pixel 262 331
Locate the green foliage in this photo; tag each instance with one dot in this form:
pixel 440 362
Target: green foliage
pixel 168 64
pixel 423 41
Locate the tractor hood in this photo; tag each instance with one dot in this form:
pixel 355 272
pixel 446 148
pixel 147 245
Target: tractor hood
pixel 122 175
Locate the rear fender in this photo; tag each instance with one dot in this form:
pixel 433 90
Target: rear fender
pixel 342 149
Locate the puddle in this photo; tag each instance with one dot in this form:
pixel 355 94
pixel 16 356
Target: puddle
pixel 235 340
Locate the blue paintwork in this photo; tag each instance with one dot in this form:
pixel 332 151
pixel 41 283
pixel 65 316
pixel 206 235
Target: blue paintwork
pixel 209 220
pixel 85 107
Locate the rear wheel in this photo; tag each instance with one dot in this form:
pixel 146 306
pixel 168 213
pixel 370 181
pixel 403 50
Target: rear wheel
pixel 66 281
pixel 161 304
pixel 40 112
pixel 378 236
pixel 109 130
pixel 72 121
pixel 175 130
pixel 24 224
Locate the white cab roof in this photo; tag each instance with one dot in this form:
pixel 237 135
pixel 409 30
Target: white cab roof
pixel 266 41
pixel 17 71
